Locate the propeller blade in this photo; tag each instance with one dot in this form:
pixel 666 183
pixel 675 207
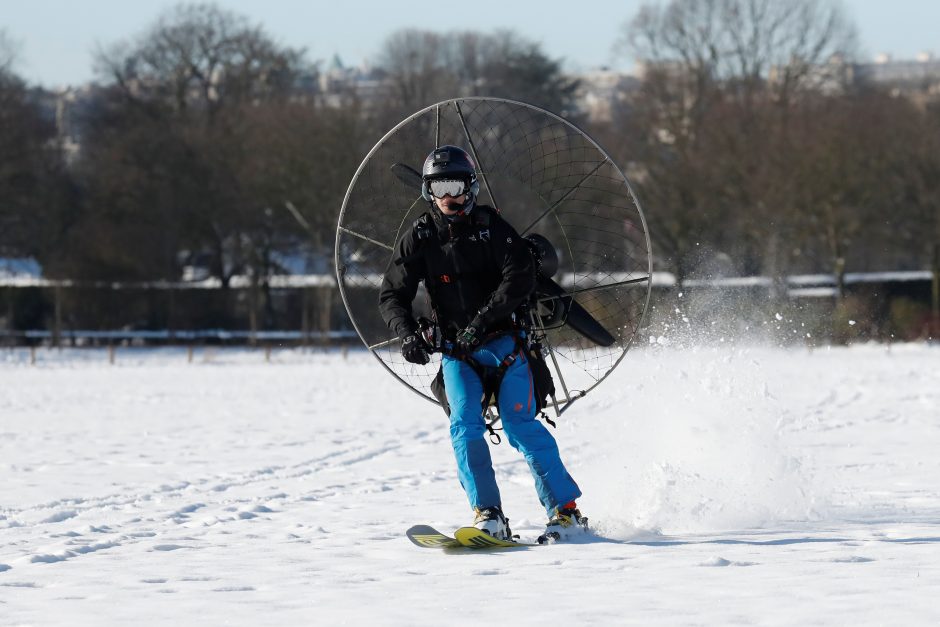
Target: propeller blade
pixel 407 175
pixel 577 317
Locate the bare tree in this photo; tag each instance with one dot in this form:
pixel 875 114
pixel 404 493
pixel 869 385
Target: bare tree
pixel 424 67
pixel 198 56
pixel 785 44
pixel 303 187
pixel 512 67
pixel 711 68
pixel 838 180
pixel 416 65
pixel 33 183
pixel 7 52
pixel 177 126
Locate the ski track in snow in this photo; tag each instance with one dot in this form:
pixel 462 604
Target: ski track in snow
pixel 746 485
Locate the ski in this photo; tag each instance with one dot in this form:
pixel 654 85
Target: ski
pixel 475 539
pixel 430 538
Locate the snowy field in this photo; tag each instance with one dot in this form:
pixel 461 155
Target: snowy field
pixel 727 486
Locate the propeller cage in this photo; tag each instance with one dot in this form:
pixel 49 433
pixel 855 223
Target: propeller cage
pixel 555 186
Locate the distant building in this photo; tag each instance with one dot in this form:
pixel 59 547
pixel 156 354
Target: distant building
pixel 923 70
pixel 603 92
pixel 339 84
pixel 74 106
pixel 918 79
pixel 68 111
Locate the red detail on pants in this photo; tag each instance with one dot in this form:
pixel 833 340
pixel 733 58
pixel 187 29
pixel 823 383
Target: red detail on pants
pixel 518 407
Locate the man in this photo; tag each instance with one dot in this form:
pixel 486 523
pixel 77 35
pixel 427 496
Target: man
pixel 477 271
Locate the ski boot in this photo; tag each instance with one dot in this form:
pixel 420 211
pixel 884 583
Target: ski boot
pixel 566 523
pixel 492 521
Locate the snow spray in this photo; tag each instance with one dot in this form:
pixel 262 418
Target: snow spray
pixel 687 438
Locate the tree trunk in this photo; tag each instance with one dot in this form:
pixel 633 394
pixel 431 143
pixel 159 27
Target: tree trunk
pixel 253 298
pixel 57 322
pixel 935 293
pixel 304 316
pixel 325 305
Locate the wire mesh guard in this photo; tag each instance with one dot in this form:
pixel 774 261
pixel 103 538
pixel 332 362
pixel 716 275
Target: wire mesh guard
pixel 545 176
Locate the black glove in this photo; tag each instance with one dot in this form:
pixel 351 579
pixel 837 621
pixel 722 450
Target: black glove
pixel 470 337
pixel 415 349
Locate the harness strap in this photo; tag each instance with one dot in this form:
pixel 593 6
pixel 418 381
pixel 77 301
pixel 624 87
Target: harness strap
pixel 496 376
pixel 492 378
pixel 492 428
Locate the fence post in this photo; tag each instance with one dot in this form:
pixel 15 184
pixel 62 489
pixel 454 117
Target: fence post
pixel 57 322
pixel 171 306
pixel 304 317
pixel 325 306
pixel 935 292
pixel 253 301
pixel 936 282
pixel 10 293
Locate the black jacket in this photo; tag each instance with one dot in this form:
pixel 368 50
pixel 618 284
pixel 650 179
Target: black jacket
pixel 479 270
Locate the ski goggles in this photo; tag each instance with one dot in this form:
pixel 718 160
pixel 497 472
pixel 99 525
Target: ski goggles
pixel 448 187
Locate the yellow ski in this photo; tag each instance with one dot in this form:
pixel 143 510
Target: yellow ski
pixel 430 538
pixel 476 539
pixel 466 538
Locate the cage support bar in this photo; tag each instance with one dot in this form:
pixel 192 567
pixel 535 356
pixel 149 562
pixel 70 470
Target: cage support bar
pixel 595 288
pixel 368 239
pixel 473 149
pixel 565 197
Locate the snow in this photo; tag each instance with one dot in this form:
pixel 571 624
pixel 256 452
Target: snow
pixel 750 485
pixel 813 292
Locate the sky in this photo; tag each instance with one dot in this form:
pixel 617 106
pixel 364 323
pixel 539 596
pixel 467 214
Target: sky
pixel 56 39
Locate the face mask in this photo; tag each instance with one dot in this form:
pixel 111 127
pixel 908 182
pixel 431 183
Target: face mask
pixel 463 210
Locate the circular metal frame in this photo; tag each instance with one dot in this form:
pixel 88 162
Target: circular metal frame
pixel 502 110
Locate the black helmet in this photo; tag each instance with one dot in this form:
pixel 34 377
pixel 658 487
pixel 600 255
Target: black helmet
pixel 450 162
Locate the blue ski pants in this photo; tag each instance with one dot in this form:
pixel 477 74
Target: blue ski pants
pixel 517 409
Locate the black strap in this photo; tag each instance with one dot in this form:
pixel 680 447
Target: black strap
pixel 496 376
pixel 492 379
pixel 492 429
